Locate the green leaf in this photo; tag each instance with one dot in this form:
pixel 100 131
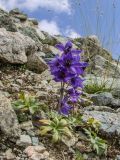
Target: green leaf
pixel 44 130
pixel 56 136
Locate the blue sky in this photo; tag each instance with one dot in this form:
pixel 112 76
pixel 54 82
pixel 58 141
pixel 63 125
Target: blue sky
pixel 75 18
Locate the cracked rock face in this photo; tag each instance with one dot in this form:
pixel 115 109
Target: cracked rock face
pixel 14 47
pixel 8 119
pixel 110 122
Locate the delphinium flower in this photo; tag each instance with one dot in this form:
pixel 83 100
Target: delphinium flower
pixel 68 69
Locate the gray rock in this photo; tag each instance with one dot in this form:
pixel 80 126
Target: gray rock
pixel 32 33
pixel 109 121
pixel 54 50
pixel 50 40
pixel 116 92
pixel 27 126
pixel 34 21
pixel 7 22
pixel 99 108
pixel 118 110
pixel 40 34
pixel 118 157
pixel 42 95
pixel 8 119
pixel 100 61
pixel 19 81
pixel 92 47
pixel 115 103
pixel 110 82
pixel 37 152
pixel 22 17
pixel 25 140
pixel 36 63
pixel 10 155
pixel 15 11
pixel 1 84
pixel 14 48
pixel 102 99
pixel 18 14
pixel 69 142
pixel 101 66
pixel 35 141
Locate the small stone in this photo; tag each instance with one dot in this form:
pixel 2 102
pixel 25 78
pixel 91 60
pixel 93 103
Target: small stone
pixel 42 95
pixel 37 152
pixel 46 154
pixel 115 103
pixel 35 141
pixel 10 155
pixel 1 84
pixel 36 63
pixel 25 140
pixel 26 126
pixel 118 157
pixel 19 81
pixel 69 142
pixel 36 156
pixel 39 149
pixel 34 21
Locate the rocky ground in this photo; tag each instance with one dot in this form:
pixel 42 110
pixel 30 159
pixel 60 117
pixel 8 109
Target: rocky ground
pixel 24 50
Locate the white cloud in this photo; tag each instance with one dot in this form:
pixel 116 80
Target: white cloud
pixel 72 33
pixel 53 29
pixel 49 26
pixel 32 5
pixel 8 4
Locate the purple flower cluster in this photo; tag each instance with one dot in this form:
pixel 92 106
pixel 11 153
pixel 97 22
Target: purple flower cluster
pixel 68 69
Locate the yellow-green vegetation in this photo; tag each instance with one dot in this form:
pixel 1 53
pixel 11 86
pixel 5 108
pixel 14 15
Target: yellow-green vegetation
pixel 26 102
pixel 98 144
pixel 78 156
pixel 92 122
pixel 94 86
pixel 57 127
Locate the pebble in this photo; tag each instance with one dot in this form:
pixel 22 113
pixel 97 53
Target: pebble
pixel 25 140
pixel 10 155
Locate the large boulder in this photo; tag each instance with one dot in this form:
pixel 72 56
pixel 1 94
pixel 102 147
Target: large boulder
pixel 105 99
pixel 14 47
pixel 102 99
pixel 36 63
pixel 101 66
pixel 92 47
pixel 18 14
pixel 110 122
pixel 6 21
pixel 8 119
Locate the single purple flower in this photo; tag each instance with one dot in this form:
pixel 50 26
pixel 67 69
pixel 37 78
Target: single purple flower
pixel 73 95
pixel 67 48
pixel 70 62
pixel 65 108
pixel 62 75
pixel 77 82
pixel 76 51
pixel 55 63
pixel 73 92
